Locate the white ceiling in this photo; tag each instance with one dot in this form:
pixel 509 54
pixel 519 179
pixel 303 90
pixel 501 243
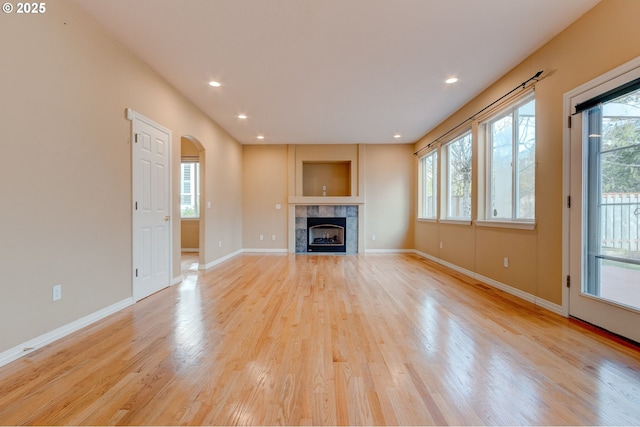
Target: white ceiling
pixel 333 71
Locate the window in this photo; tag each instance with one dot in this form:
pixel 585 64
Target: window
pixel 427 184
pixel 458 178
pixel 190 190
pixel 511 146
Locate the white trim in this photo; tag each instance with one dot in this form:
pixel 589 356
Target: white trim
pixel 219 260
pixel 336 200
pixel 555 308
pixel 61 332
pixel 519 225
pixel 176 280
pixel 265 250
pixel 190 250
pixel 389 251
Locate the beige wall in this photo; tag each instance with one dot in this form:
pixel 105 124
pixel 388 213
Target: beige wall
pixel 326 153
pixel 264 186
pixel 602 39
pixel 389 189
pixel 326 179
pixel 190 234
pixel 65 178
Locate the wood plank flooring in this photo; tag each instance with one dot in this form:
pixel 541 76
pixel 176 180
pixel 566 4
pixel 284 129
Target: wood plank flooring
pixel 327 340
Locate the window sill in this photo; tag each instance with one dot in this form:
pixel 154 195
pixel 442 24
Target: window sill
pixel 456 221
pixel 518 225
pixel 433 220
pixel 190 219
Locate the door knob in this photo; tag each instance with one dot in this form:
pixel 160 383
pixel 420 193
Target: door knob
pixel 167 218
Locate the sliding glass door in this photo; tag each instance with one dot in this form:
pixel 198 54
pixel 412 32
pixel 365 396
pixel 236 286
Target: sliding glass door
pixel 605 213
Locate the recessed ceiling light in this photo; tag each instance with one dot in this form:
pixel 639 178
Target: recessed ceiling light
pixel 242 116
pixel 397 135
pixel 214 84
pixel 451 80
pixel 260 136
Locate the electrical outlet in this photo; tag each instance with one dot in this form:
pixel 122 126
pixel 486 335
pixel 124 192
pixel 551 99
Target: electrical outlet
pixel 220 243
pixel 273 237
pixel 261 237
pixel 506 262
pixel 373 237
pixel 57 292
pixel 440 245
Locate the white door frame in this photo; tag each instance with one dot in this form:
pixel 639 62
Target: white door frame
pixel 609 80
pixel 133 116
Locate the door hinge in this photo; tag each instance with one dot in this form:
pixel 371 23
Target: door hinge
pixel 136 205
pixel 136 136
pixel 568 201
pixel 136 272
pixel 569 122
pixel 568 281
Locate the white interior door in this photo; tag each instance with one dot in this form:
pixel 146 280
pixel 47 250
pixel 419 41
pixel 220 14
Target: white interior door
pixel 151 145
pixel 604 260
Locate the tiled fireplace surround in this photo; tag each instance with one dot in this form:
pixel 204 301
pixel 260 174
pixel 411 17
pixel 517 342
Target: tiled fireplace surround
pixel 327 211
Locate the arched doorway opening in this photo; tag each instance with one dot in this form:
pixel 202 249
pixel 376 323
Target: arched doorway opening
pixel 192 191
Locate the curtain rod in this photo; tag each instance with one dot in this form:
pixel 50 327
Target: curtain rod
pixel 521 85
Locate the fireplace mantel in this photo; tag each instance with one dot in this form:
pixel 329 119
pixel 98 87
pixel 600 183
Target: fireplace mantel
pixel 301 200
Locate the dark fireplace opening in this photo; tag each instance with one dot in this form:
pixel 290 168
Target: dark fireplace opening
pixel 326 234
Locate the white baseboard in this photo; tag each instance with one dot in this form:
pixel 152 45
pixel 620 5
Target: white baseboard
pixel 389 251
pixel 265 250
pixel 190 250
pixel 555 308
pixel 61 332
pixel 219 260
pixel 176 280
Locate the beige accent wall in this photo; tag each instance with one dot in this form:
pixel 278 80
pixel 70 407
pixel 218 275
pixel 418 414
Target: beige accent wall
pixel 389 184
pixel 326 179
pixel 264 187
pixel 604 38
pixel 325 153
pixel 389 190
pixel 65 176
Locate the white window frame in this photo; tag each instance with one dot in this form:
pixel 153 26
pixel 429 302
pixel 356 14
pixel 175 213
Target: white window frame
pixel 423 186
pixel 485 218
pixel 445 210
pixel 194 194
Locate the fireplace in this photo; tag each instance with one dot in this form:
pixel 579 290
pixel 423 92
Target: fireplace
pixel 326 214
pixel 326 234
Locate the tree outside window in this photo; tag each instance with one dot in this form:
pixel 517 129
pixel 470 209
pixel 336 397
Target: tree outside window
pixel 459 178
pixel 512 143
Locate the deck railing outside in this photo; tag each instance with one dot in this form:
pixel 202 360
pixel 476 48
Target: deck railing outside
pixel 620 217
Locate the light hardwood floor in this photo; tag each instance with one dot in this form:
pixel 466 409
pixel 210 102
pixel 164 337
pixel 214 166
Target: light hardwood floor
pixel 312 339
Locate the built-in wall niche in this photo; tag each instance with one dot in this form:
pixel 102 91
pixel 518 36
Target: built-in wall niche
pixel 331 179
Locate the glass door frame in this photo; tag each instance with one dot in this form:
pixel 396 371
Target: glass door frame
pixel 607 314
